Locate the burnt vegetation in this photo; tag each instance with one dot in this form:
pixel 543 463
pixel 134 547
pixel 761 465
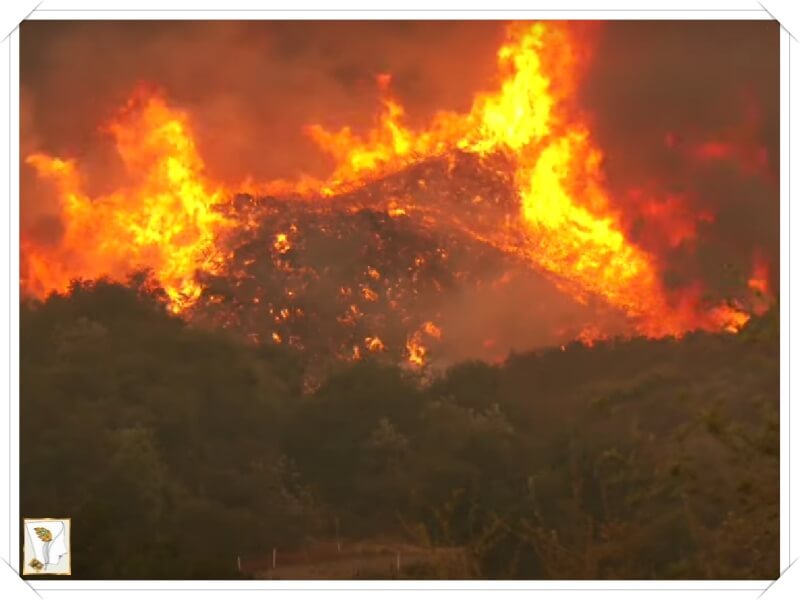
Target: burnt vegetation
pixel 177 448
pixel 357 274
pixel 327 381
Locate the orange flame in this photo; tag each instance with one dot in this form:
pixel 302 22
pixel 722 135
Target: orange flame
pixel 417 351
pixel 282 244
pixel 759 280
pixel 566 223
pixel 759 284
pixel 374 344
pixel 166 221
pixel 432 329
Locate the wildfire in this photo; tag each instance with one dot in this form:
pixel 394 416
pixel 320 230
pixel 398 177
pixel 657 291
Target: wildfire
pixel 759 284
pixel 431 329
pixel 417 351
pixel 282 245
pixel 374 344
pixel 759 280
pixel 565 223
pixel 165 220
pixel 589 335
pixel 368 294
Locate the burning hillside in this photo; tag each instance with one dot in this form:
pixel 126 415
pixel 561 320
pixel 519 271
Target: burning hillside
pixel 504 207
pixel 361 276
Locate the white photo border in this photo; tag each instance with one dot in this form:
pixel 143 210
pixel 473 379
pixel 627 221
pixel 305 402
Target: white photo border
pixel 9 104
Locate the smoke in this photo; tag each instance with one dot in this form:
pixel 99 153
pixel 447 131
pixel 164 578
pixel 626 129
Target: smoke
pixel 250 87
pixel 689 110
pixel 518 310
pixel 685 113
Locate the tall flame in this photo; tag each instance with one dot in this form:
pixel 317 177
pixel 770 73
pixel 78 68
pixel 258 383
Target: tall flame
pixel 566 223
pixel 166 221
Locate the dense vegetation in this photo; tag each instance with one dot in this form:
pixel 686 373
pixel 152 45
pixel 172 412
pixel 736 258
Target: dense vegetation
pixel 174 450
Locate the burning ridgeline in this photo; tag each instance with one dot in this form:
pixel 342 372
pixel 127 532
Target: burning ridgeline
pixel 367 261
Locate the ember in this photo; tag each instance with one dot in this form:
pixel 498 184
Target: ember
pixel 514 183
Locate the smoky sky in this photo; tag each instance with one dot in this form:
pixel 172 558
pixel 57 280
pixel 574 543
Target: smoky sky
pixel 656 90
pixel 652 92
pixel 250 86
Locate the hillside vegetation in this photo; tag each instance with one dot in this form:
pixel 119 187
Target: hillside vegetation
pixel 176 450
